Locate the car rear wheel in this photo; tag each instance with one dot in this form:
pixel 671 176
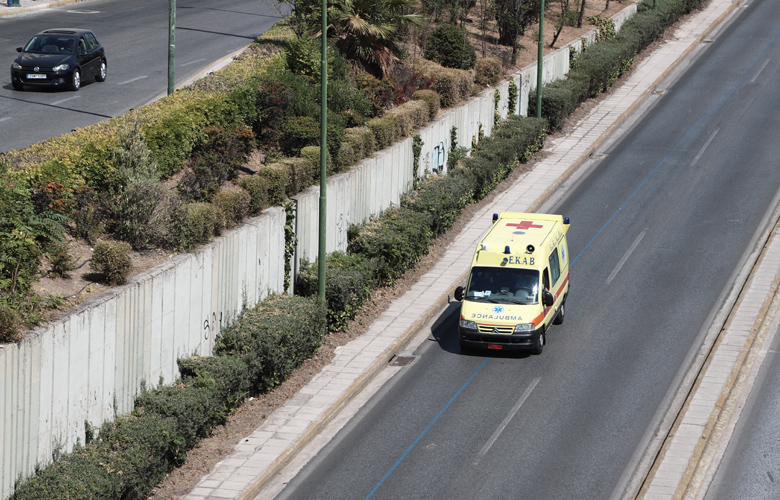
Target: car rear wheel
pixel 561 312
pixel 75 80
pixel 103 73
pixel 539 344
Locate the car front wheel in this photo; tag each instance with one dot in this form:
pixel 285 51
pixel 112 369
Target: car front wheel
pixel 103 73
pixel 539 344
pixel 17 86
pixel 75 80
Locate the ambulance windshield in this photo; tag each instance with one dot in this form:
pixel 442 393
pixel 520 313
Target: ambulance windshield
pixel 503 285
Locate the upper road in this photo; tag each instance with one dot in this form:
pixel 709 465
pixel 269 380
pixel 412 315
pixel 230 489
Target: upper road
pixel 135 35
pixel 661 227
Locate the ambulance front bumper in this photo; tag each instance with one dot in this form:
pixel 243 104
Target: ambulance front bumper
pixel 472 338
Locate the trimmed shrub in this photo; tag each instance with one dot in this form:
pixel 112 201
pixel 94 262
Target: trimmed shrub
pixel 407 118
pixel 488 71
pixel 432 99
pixel 9 324
pixel 398 239
pixel 197 223
pixel 234 203
pixel 453 85
pixel 112 260
pixel 275 337
pixel 384 131
pixel 442 199
pixel 449 46
pixel 297 172
pixel 312 155
pixel 262 193
pixel 348 283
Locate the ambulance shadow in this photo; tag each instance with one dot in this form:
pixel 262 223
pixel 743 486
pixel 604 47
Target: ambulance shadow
pixel 445 331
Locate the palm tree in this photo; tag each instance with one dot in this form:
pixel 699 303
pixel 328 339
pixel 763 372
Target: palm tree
pixel 368 32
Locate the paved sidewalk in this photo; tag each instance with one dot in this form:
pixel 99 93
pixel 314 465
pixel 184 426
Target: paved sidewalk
pixel 29 5
pixel 260 456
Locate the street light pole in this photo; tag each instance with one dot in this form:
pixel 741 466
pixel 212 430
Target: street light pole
pixel 322 253
pixel 540 58
pixel 171 44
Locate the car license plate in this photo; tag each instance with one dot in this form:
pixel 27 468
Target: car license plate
pixel 36 76
pixel 495 346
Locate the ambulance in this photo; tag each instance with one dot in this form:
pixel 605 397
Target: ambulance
pixel 518 283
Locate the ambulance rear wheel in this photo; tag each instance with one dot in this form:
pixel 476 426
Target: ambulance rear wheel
pixel 561 312
pixel 539 344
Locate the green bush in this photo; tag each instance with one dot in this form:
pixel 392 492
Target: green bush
pixel 296 171
pixel 513 141
pixel 442 199
pixel 263 193
pixel 349 102
pixel 384 131
pixel 234 203
pixel 196 224
pixel 449 46
pixel 9 324
pixel 112 260
pixel 398 239
pixel 298 132
pixel 348 283
pixel 275 337
pixel 138 205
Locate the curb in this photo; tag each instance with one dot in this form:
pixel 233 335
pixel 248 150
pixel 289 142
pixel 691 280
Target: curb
pixel 9 11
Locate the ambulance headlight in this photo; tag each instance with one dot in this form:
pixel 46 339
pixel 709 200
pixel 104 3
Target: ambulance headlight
pixel 464 323
pixel 524 327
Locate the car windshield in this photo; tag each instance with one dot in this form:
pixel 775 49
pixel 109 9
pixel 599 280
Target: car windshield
pixel 503 285
pixel 50 44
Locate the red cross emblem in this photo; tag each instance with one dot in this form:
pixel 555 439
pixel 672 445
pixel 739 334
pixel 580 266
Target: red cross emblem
pixel 526 224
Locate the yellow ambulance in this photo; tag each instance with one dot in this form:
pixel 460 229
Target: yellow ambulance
pixel 518 283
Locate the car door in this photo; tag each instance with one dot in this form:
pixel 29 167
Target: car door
pixel 89 56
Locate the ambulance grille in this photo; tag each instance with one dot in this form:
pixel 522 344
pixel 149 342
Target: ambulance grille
pixel 496 330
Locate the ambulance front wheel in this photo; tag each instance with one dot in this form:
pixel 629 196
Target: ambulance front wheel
pixel 538 344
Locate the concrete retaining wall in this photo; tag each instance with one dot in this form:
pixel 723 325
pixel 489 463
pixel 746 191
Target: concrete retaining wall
pixel 89 365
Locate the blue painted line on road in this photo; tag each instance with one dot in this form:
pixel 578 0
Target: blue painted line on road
pixel 427 428
pixel 758 58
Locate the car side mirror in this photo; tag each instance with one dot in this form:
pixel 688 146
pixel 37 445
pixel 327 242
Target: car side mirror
pixel 548 299
pixel 459 293
pixel 19 49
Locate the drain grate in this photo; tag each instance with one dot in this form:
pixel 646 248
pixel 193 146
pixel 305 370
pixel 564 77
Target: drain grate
pixel 401 360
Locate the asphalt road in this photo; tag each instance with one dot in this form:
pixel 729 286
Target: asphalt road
pixel 135 35
pixel 660 227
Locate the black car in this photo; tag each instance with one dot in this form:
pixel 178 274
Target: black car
pixel 59 57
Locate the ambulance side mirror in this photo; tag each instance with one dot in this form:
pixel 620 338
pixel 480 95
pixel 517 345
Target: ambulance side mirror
pixel 547 299
pixel 459 293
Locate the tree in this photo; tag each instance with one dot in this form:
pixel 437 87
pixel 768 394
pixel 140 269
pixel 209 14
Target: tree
pixel 513 17
pixel 561 22
pixel 367 32
pixel 582 14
